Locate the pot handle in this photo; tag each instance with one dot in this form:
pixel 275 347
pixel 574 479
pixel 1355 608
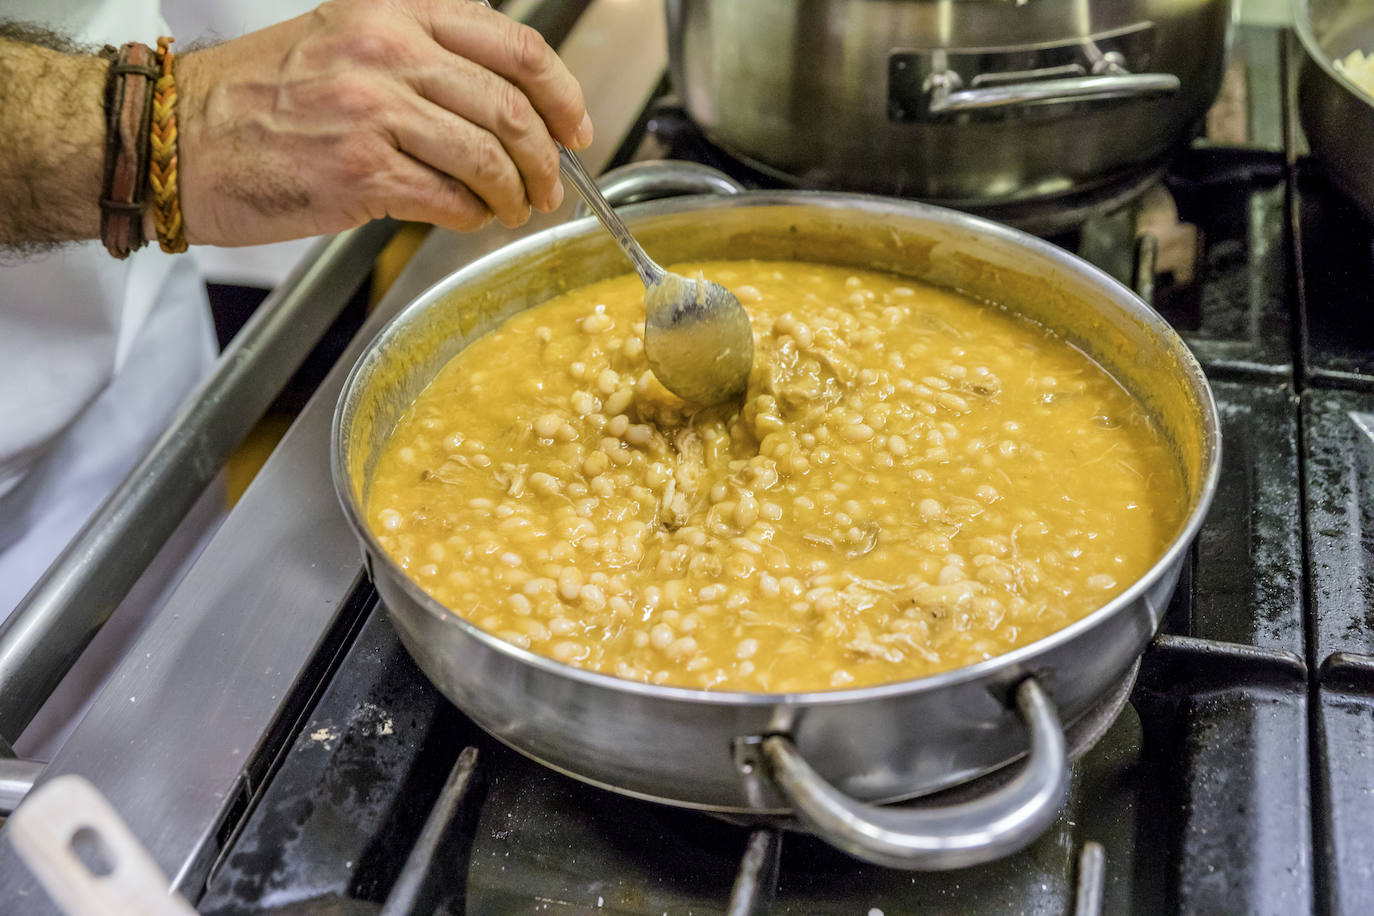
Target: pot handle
pixel 946 98
pixel 657 178
pixel 930 839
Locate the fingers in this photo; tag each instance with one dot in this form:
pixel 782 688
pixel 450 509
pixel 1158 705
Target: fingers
pixel 465 151
pixel 484 99
pixel 520 55
pixel 424 194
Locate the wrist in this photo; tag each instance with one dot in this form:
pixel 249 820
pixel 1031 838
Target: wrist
pixel 193 166
pixel 89 74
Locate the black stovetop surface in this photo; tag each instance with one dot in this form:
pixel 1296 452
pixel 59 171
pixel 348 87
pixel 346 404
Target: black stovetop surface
pixel 1238 780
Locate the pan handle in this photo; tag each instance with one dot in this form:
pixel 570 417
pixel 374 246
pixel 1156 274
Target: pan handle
pixel 657 178
pixel 930 839
pixel 946 99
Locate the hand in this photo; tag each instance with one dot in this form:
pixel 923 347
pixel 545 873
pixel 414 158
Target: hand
pixel 441 111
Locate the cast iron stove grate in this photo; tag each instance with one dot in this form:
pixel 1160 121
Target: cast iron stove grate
pixel 1214 729
pixel 1236 780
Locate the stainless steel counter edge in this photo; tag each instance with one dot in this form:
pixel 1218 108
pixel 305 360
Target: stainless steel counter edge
pixel 167 741
pixel 45 635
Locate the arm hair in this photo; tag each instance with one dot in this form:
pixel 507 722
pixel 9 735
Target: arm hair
pixel 52 133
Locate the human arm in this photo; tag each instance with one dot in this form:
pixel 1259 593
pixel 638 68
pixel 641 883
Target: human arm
pixel 433 110
pixel 52 134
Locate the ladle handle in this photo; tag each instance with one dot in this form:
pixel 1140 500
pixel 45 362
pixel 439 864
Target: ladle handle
pixel 577 176
pixel 927 839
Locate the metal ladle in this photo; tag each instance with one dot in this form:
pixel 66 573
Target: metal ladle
pixel 696 334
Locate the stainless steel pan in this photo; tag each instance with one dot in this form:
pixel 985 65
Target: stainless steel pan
pixel 1337 117
pixel 826 756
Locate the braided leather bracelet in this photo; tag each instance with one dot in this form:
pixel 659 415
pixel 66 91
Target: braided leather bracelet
pixel 162 167
pixel 128 110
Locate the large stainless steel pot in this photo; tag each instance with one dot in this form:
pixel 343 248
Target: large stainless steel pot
pixel 825 755
pixel 1337 117
pixel 1036 113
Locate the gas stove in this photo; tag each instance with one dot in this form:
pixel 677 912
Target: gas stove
pixel 1230 774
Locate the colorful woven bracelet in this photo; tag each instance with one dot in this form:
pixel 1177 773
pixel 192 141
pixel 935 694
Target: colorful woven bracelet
pixel 162 165
pixel 128 111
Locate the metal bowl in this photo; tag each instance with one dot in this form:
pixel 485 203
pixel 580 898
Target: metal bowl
pixel 825 755
pixel 1337 116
